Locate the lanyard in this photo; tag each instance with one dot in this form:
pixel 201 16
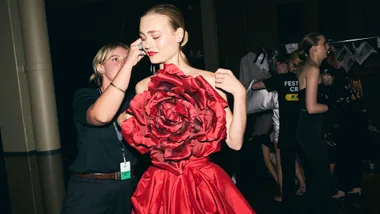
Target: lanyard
pixel 118 134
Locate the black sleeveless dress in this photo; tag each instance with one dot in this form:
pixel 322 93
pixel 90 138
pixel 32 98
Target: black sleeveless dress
pixel 317 171
pixel 309 124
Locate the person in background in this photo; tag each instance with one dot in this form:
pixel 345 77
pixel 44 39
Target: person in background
pixel 98 183
pixel 286 85
pixel 309 128
pixel 352 132
pixel 294 61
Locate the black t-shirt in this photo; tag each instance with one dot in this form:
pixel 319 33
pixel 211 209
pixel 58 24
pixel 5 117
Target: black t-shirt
pixel 286 86
pixel 99 149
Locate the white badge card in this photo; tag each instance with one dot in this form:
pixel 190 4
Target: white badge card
pixel 125 170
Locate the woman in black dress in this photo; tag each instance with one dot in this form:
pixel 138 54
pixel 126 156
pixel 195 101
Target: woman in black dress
pixel 309 130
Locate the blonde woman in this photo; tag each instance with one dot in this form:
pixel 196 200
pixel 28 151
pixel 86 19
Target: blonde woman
pixel 181 116
pixel 96 184
pixel 309 130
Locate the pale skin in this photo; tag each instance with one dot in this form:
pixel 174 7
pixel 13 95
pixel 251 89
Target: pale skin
pixel 162 44
pixel 282 68
pixel 309 77
pixel 328 79
pixel 117 69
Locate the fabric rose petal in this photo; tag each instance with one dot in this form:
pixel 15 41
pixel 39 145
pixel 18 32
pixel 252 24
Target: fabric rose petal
pixel 178 117
pixel 181 120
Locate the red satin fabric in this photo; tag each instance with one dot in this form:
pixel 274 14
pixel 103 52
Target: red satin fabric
pixel 181 120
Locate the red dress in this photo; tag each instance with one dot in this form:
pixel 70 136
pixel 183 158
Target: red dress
pixel 181 120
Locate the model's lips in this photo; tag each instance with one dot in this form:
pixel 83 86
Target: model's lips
pixel 151 53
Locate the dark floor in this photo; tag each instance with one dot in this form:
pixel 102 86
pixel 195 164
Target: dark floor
pixel 256 184
pixel 259 188
pixel 261 198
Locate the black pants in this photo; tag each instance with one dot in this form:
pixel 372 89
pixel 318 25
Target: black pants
pixel 318 195
pixel 353 135
pixel 288 156
pixel 99 196
pixel 348 167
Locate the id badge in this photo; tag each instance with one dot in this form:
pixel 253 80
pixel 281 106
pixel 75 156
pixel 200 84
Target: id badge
pixel 125 170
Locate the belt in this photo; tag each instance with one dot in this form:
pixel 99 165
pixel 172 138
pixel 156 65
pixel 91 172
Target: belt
pixel 100 176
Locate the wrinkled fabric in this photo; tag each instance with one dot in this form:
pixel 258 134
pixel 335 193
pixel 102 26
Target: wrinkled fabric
pixel 249 70
pixel 181 120
pixel 261 100
pixel 276 125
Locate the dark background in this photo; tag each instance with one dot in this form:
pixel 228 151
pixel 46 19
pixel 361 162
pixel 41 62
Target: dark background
pixel 77 29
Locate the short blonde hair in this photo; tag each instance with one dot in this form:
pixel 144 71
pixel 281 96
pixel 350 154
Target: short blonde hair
pixel 295 56
pixel 101 57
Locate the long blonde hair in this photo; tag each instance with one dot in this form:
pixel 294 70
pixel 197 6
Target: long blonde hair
pixel 101 57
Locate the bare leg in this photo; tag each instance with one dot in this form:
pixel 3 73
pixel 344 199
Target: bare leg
pixel 339 194
pixel 332 168
pixel 301 179
pixel 279 171
pixel 268 162
pixel 355 190
pixel 299 174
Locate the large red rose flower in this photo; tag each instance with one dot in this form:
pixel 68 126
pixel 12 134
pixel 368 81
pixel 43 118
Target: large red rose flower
pixel 178 118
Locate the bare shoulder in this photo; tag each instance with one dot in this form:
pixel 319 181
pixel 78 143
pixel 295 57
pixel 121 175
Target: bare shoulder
pixel 311 68
pixel 142 85
pixel 208 76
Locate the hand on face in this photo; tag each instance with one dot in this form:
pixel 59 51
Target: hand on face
pixel 114 61
pixel 226 80
pixel 135 53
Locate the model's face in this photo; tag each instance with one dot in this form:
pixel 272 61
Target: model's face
pixel 159 40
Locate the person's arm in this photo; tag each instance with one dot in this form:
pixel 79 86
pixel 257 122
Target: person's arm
pixel 236 121
pixel 332 59
pixel 140 88
pixel 258 85
pixel 271 84
pixel 357 87
pixel 107 105
pixel 268 162
pixel 312 79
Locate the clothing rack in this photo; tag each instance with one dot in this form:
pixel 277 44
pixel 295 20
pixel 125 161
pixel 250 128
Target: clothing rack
pixel 374 41
pixel 377 38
